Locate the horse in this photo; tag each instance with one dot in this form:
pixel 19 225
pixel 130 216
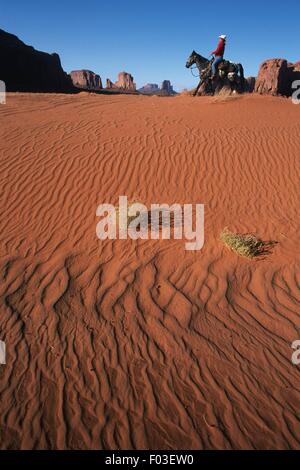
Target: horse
pixel 234 73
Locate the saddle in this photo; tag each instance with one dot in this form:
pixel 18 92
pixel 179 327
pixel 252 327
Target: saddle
pixel 226 66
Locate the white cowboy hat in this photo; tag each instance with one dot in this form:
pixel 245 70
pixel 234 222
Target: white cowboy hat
pixel 223 36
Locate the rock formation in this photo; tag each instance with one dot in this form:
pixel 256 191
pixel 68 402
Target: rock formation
pixel 166 88
pixel 125 82
pixel 110 85
pixel 153 89
pixel 23 68
pixel 149 89
pixel 250 84
pixel 86 79
pixel 296 67
pixel 276 77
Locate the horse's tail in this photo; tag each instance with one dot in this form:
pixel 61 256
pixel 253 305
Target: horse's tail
pixel 242 74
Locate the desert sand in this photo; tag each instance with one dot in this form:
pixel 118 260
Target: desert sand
pixel 141 344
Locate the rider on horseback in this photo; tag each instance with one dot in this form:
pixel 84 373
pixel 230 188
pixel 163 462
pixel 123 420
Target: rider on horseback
pixel 218 53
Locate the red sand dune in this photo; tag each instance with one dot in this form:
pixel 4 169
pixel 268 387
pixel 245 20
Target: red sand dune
pixel 124 344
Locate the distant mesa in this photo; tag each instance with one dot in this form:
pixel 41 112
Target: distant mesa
pixel 276 77
pixel 86 79
pixel 23 68
pixel 166 89
pixel 125 82
pixel 149 89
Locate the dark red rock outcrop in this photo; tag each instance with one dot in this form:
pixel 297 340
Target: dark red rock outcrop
pixel 276 77
pixel 296 67
pixel 23 68
pixel 86 79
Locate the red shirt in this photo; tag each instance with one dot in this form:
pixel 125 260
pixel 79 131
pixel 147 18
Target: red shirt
pixel 219 52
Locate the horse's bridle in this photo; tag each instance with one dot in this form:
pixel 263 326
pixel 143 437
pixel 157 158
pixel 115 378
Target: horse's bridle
pixel 194 68
pixel 202 69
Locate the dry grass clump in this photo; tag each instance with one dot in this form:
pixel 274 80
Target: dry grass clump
pixel 187 92
pixel 247 245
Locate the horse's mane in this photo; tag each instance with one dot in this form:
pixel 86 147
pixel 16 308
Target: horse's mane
pixel 200 57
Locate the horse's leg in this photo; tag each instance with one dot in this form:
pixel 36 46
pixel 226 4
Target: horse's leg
pixel 242 76
pixel 197 89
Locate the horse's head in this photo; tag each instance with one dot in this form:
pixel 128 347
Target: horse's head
pixel 197 59
pixel 191 60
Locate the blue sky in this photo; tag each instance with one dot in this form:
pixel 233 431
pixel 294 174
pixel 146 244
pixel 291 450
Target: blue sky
pixel 153 39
